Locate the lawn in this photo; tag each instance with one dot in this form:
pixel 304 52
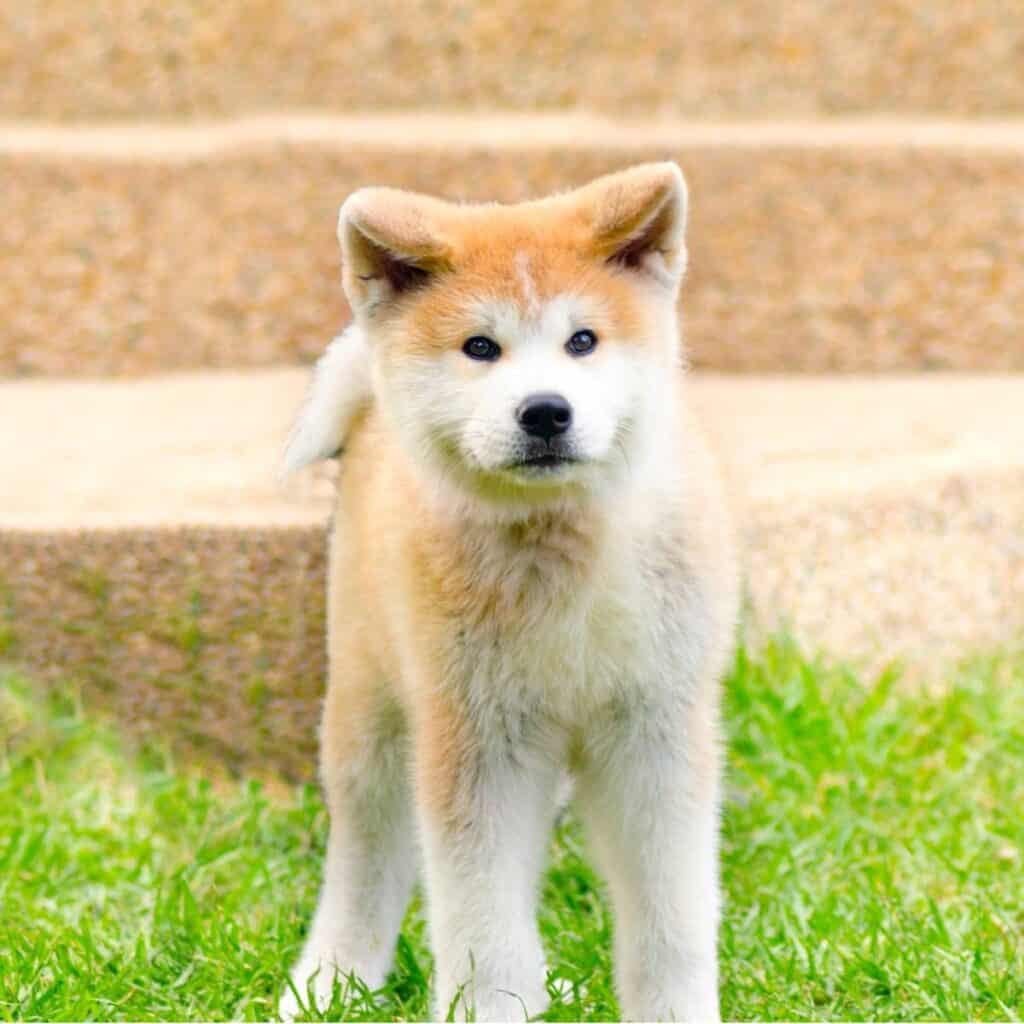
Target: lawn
pixel 873 863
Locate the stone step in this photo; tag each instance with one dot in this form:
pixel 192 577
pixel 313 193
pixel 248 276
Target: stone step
pixel 835 246
pixel 754 58
pixel 148 552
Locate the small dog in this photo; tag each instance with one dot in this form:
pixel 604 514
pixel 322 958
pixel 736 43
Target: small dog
pixel 531 574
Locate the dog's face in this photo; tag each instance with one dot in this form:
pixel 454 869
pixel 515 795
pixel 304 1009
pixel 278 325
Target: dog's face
pixel 520 349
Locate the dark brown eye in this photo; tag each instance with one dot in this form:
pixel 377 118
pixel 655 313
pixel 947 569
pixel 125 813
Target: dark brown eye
pixel 581 343
pixel 479 347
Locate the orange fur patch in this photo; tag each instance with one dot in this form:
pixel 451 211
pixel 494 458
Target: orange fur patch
pixel 445 313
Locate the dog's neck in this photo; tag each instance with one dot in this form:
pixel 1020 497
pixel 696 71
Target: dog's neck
pixel 519 567
pixel 557 544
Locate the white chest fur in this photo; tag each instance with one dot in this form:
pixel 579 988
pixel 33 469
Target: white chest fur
pixel 577 614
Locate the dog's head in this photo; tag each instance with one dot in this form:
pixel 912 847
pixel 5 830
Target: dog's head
pixel 521 349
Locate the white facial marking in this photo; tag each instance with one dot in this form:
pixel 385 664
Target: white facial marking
pixel 530 298
pixel 463 413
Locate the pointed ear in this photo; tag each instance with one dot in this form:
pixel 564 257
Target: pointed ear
pixel 638 220
pixel 391 243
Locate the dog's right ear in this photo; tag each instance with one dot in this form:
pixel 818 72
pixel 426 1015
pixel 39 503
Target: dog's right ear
pixel 392 242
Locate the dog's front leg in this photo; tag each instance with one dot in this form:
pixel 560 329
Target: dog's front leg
pixel 370 863
pixel 648 795
pixel 486 797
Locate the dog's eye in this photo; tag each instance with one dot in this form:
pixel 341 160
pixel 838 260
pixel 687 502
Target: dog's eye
pixel 479 347
pixel 581 343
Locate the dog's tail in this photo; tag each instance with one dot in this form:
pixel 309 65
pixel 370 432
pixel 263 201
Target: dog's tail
pixel 341 389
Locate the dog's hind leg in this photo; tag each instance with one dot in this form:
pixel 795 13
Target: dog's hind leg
pixel 371 861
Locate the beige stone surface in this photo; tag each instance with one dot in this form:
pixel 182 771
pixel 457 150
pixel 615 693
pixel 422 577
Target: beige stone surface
pixel 129 58
pixel 859 247
pixel 142 140
pixel 174 450
pixel 148 554
pixel 204 448
pixel 922 573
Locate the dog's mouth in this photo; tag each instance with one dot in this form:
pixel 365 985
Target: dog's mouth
pixel 542 462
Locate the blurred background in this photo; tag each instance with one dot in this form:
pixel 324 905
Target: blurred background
pixel 170 175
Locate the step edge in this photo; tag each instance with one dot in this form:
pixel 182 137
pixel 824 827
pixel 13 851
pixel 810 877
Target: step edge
pixel 176 140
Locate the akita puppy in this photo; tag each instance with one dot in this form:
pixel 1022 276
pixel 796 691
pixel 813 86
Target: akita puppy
pixel 531 575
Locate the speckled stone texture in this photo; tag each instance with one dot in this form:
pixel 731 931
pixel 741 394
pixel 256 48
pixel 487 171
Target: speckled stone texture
pixel 804 258
pixel 130 58
pixel 938 566
pixel 212 640
pixel 880 517
pixel 801 259
pixel 208 639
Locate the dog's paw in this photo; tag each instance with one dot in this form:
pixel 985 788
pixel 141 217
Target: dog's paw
pixel 486 1003
pixel 311 990
pixel 290 1008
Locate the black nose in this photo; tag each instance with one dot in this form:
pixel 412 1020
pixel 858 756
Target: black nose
pixel 545 416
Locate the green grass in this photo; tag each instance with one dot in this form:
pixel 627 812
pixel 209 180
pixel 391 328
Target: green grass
pixel 873 862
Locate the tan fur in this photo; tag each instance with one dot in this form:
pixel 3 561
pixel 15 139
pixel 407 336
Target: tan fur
pixel 427 583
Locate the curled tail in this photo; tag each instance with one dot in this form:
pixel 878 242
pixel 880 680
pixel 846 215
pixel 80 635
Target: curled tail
pixel 341 388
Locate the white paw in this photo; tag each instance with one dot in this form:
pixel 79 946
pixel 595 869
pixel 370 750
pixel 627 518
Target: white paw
pixel 300 1000
pixel 685 1008
pixel 289 1008
pixel 486 1004
pixel 312 988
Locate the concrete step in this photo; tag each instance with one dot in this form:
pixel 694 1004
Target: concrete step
pixel 844 246
pixel 147 551
pixel 66 59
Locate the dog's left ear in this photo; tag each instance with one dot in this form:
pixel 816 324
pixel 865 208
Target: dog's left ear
pixel 637 220
pixel 392 242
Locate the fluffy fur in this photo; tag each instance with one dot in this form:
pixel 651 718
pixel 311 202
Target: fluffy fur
pixel 341 390
pixel 495 623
